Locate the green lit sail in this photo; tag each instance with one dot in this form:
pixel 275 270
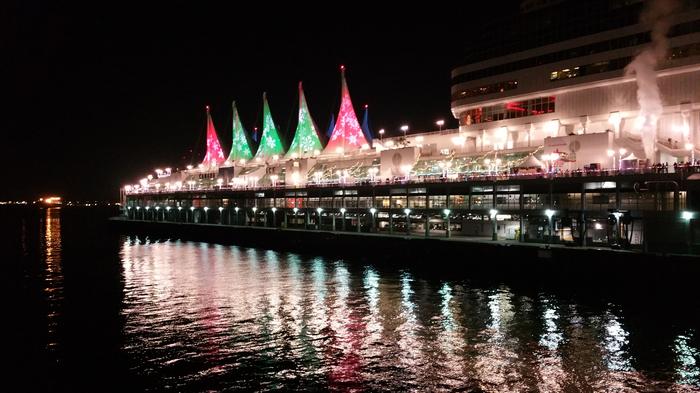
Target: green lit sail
pixel 239 148
pixel 270 143
pixel 305 140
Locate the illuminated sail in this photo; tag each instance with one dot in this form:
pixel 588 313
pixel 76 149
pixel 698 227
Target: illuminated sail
pixel 347 134
pixel 215 155
pixel 240 149
pixel 270 143
pixel 306 139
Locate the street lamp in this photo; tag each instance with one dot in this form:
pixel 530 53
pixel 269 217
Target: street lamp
pixel 447 222
pixel 494 233
pixel 440 123
pixel 179 211
pixel 372 211
pixel 318 216
pixel 404 128
pixel 381 134
pixel 238 218
pixel 549 213
pixel 221 216
pixel 408 220
pixel 274 210
pixel 687 216
pixel 254 209
pixel 342 217
pixel 192 210
pixel 617 226
pixel 206 214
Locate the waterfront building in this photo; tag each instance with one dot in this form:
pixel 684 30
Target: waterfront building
pixel 563 138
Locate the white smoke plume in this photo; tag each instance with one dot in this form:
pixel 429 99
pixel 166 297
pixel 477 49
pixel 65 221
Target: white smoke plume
pixel 657 16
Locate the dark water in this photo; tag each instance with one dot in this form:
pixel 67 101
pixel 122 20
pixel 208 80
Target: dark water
pixel 98 311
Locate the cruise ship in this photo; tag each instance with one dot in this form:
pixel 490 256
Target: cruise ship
pixel 578 126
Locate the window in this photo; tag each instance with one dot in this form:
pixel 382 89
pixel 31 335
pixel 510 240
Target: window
pixel 398 202
pixel 508 201
pixel 365 202
pixel 416 201
pixel 618 64
pixel 438 201
pixel 508 110
pixel 459 201
pixel 598 47
pixel 381 201
pixel 482 201
pixel 497 87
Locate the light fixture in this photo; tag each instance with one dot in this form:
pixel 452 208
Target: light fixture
pixel 372 210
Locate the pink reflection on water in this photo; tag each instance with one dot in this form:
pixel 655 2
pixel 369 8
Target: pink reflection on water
pixel 194 311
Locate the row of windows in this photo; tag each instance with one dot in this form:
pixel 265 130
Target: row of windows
pixel 498 87
pixel 598 47
pixel 595 201
pixel 509 110
pixel 557 21
pixel 589 69
pixel 619 63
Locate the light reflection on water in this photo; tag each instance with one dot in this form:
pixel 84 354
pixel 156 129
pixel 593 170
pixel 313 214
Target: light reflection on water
pixel 211 317
pixel 53 275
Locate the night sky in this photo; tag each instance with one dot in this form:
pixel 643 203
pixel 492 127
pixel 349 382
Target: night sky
pixel 100 95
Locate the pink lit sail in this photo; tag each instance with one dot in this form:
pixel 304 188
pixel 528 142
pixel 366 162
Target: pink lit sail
pixel 215 155
pixel 347 134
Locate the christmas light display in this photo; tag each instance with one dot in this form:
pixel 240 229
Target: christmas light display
pixel 240 149
pixel 270 144
pixel 347 134
pixel 214 156
pixel 306 139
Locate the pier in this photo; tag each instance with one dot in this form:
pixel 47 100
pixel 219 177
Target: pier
pixel 634 211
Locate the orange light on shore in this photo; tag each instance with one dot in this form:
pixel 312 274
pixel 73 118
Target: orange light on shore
pixel 53 200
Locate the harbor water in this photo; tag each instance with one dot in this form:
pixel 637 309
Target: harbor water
pixel 95 310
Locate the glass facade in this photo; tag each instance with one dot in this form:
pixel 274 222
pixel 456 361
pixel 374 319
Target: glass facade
pixel 498 87
pixel 572 53
pixel 618 64
pixel 509 110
